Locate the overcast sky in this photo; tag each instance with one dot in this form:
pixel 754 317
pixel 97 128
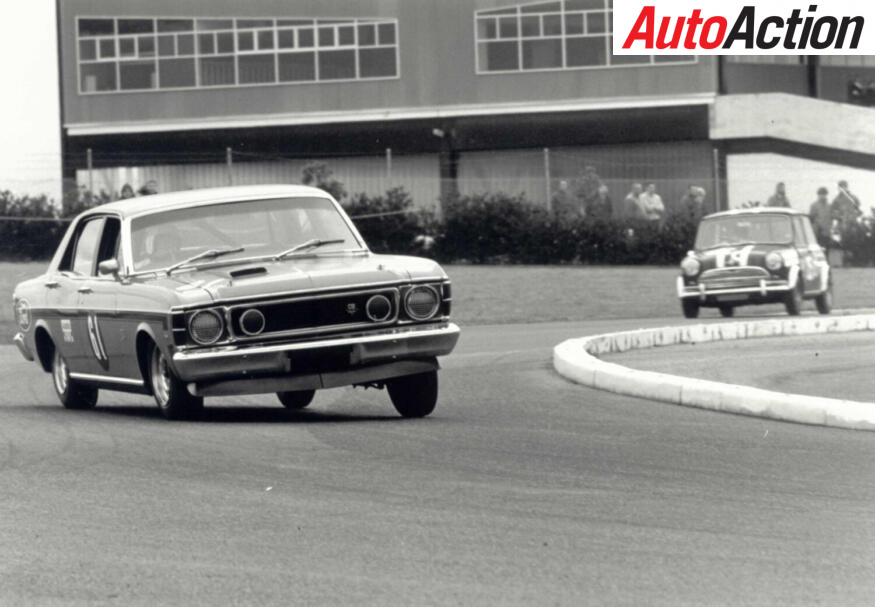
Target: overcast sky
pixel 30 156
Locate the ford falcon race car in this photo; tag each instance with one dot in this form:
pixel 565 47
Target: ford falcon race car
pixel 755 256
pixel 232 291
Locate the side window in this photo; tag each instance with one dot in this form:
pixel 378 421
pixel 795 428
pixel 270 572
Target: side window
pixel 809 232
pixel 109 242
pixel 86 247
pixel 799 236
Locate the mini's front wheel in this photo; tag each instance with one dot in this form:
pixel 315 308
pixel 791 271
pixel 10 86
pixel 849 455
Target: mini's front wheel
pixel 727 311
pixel 171 395
pixel 299 399
pixel 824 300
pixel 793 301
pixel 73 394
pixel 690 308
pixel 414 395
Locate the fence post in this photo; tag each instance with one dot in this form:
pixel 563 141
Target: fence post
pixel 547 188
pixel 89 161
pixel 229 161
pixel 389 165
pixel 718 187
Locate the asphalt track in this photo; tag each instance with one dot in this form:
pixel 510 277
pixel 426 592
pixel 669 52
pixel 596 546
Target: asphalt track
pixel 521 489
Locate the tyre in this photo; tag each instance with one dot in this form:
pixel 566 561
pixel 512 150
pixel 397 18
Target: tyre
pixel 72 394
pixel 727 311
pixel 299 399
pixel 414 395
pixel 171 395
pixel 824 300
pixel 793 301
pixel 690 308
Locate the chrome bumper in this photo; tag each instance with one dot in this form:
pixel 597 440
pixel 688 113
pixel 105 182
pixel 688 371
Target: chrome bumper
pixel 22 346
pixel 415 342
pixel 764 288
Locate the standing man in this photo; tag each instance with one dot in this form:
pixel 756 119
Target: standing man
pixel 651 204
pixel 821 218
pixel 846 206
pixel 566 206
pixel 693 204
pixel 779 198
pixel 631 208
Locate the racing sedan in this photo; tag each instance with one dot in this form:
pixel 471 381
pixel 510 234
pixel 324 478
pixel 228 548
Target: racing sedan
pixel 232 291
pixel 755 256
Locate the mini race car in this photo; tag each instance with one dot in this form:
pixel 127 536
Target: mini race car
pixel 755 256
pixel 245 290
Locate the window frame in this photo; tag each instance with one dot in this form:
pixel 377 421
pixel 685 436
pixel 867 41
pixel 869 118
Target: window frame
pixel 515 11
pixel 311 23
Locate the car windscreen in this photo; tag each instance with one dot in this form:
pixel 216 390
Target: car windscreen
pixel 258 227
pixel 744 229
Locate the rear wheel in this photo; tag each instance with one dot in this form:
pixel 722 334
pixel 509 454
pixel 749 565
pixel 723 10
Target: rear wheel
pixel 299 399
pixel 824 300
pixel 727 311
pixel 793 301
pixel 171 395
pixel 414 395
pixel 690 308
pixel 73 394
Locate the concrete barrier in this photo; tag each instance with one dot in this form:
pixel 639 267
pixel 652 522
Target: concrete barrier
pixel 576 360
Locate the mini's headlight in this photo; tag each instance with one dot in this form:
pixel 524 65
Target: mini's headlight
pixel 22 314
pixel 774 261
pixel 690 266
pixel 206 327
pixel 422 302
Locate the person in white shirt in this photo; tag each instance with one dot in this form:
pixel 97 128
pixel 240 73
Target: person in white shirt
pixel 652 207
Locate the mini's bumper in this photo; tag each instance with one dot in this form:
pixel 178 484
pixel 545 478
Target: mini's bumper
pixel 348 351
pixel 22 346
pixel 764 289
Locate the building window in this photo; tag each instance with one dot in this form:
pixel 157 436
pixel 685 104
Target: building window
pixel 143 54
pixel 557 35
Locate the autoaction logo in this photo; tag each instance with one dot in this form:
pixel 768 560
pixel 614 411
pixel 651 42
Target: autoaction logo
pixel 739 27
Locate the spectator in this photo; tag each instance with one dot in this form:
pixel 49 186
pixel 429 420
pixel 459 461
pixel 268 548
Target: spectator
pixel 693 204
pixel 846 206
pixel 779 198
pixel 588 190
pixel 821 218
pixel 566 206
pixel 651 204
pixel 600 209
pixel 150 188
pixel 631 208
pixel 127 192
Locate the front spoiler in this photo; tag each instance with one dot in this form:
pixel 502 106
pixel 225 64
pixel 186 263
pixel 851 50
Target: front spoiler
pixel 22 346
pixel 225 363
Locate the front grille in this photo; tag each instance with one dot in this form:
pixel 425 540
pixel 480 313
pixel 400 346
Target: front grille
pixel 313 314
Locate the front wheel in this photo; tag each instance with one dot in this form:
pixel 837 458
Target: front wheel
pixel 690 308
pixel 793 301
pixel 171 395
pixel 414 395
pixel 824 300
pixel 73 394
pixel 298 399
pixel 727 311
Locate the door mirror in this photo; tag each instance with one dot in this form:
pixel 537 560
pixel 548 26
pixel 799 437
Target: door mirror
pixel 110 266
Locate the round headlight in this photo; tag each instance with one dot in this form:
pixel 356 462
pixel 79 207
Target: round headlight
pixel 252 322
pixel 774 261
pixel 22 314
pixel 206 327
pixel 421 302
pixel 690 266
pixel 378 308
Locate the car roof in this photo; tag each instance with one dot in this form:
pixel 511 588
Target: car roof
pixel 757 211
pixel 193 198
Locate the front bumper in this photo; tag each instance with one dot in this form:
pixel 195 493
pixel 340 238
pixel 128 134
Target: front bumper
pixel 764 290
pixel 22 346
pixel 346 352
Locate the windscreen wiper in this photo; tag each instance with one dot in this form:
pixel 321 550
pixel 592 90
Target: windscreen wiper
pixel 208 254
pixel 313 243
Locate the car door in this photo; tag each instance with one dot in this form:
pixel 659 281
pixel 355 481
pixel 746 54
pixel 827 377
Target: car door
pixel 96 304
pixel 818 259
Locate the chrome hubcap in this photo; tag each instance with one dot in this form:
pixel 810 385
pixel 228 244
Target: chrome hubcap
pixel 160 378
pixel 60 373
